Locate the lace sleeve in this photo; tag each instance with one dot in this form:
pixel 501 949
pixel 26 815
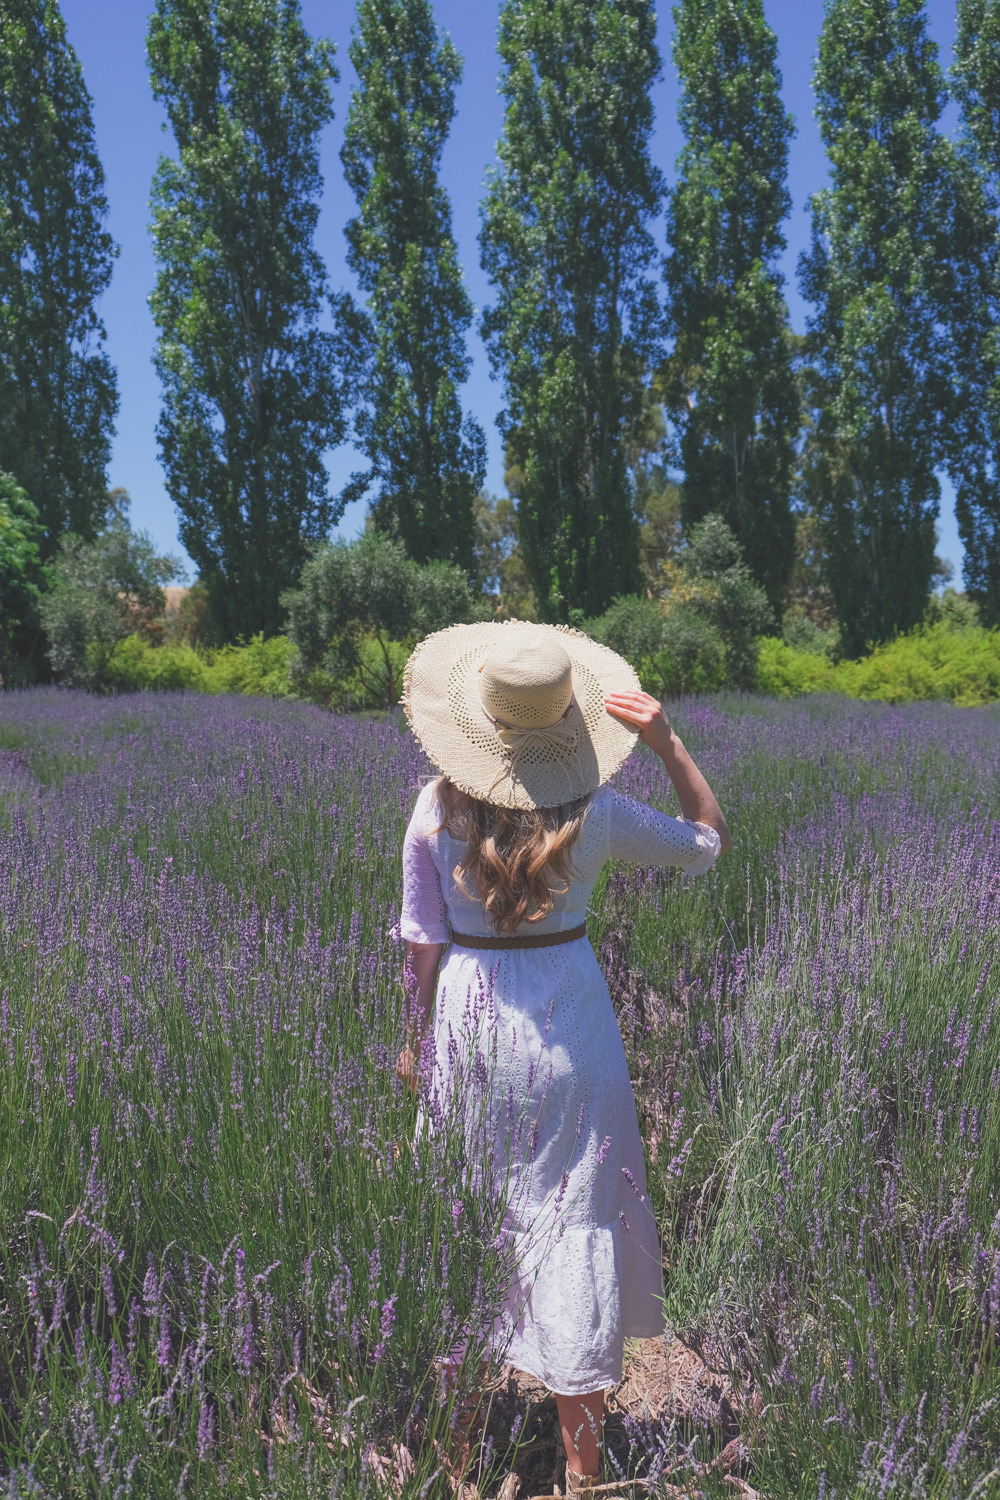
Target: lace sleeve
pixel 424 918
pixel 645 836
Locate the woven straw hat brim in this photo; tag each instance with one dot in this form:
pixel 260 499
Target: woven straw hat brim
pixel 441 701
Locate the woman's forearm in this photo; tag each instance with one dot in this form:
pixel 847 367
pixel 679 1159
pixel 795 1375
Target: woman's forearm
pixel 423 959
pixel 694 794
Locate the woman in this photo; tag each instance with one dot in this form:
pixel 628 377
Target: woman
pixel 527 723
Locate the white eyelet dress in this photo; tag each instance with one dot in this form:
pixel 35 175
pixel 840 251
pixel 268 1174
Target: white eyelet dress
pixel 589 1267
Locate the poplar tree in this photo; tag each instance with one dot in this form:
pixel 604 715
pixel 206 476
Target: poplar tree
pixel 976 84
pixel 58 392
pixel 575 330
pixel 886 273
pixel 729 385
pixel 427 463
pixel 253 389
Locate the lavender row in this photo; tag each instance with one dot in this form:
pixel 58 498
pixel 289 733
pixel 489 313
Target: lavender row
pixel 222 1262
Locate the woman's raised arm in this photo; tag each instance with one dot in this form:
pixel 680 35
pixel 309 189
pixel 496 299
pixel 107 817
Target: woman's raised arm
pixel 694 794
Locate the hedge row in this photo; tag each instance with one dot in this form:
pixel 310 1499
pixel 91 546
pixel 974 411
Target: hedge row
pixel 935 661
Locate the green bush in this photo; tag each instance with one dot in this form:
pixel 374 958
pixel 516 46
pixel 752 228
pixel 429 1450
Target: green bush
pixel 359 609
pixel 701 633
pixel 675 653
pixel 803 634
pixel 102 592
pixel 261 667
pixel 137 665
pixel 936 661
pixel 933 661
pixel 784 672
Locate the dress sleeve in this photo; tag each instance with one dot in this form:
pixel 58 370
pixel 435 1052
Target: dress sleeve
pixel 645 836
pixel 424 918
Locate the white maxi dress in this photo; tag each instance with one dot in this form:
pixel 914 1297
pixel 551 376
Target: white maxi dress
pixel 589 1266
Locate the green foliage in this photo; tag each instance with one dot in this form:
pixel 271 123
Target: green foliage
pixel 188 624
pixel 976 463
pixel 253 389
pixel 101 592
pixel 803 634
pixel 808 595
pixel 658 505
pixel 566 243
pixel 353 594
pixel 934 661
pixel 499 562
pixel 21 580
pixel 951 608
pixel 716 583
pixel 680 652
pixel 729 384
pixel 261 668
pixel 701 634
pixel 891 271
pixel 58 393
pixel 428 463
pixel 941 660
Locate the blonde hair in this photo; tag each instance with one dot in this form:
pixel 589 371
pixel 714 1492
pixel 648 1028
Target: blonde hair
pixel 513 853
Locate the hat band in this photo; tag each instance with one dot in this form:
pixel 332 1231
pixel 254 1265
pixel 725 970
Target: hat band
pixel 560 738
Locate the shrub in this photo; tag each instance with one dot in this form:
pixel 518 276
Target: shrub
pixel 136 665
pixel 932 661
pixel 102 592
pixel 717 583
pixel 694 657
pixel 368 590
pixel 784 672
pixel 939 661
pixel 803 634
pixel 261 667
pixel 633 627
pixel 701 634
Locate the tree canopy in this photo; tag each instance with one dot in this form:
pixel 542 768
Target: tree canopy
pixel 368 590
pixel 102 591
pixel 575 328
pixel 58 390
pixel 729 384
pixel 254 390
pixel 976 83
pixel 21 580
pixel 892 236
pixel 427 463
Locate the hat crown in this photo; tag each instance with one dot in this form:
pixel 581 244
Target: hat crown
pixel 526 682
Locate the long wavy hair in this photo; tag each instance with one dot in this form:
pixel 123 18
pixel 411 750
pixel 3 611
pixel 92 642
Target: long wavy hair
pixel 514 854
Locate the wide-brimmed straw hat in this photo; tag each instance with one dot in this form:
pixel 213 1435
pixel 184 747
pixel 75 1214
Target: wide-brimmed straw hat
pixel 513 713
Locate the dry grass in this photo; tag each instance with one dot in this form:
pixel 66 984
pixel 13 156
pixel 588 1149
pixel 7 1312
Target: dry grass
pixel 666 1397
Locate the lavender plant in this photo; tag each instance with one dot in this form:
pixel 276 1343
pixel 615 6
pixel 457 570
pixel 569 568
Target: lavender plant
pixel 224 1261
pixel 228 1263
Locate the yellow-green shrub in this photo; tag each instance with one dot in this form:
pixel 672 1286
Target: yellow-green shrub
pixel 933 661
pixel 783 672
pixel 261 667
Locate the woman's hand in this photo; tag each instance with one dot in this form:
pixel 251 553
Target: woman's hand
pixel 406 1067
pixel 642 712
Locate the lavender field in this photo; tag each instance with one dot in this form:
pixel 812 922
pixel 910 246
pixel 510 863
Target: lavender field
pixel 226 1269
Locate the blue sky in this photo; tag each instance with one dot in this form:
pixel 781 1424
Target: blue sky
pixel 109 37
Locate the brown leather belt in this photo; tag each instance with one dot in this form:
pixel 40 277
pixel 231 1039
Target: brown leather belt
pixel 532 940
